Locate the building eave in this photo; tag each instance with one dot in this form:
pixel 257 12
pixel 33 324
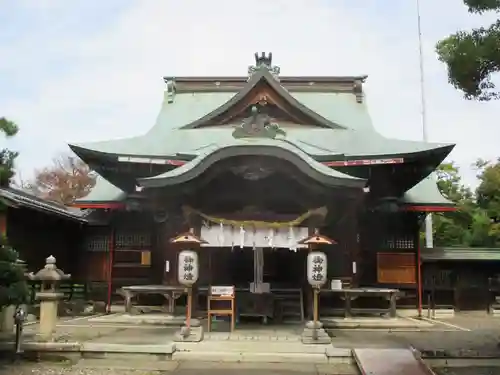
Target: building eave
pixel 301 160
pixel 460 254
pixel 284 79
pixel 16 199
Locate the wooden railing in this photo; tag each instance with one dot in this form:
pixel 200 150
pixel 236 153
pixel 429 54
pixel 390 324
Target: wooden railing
pixel 71 290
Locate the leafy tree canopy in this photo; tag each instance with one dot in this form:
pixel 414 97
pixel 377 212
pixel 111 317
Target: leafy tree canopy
pixel 13 286
pixel 473 56
pixel 7 157
pixel 476 223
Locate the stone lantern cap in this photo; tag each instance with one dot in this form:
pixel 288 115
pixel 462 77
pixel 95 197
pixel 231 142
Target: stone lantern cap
pixel 50 272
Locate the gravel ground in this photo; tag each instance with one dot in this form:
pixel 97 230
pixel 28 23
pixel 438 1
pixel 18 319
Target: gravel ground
pixel 468 371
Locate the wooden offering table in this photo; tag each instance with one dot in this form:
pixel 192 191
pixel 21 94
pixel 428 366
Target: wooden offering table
pixel 349 294
pixel 170 292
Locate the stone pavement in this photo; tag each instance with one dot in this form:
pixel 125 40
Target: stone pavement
pixel 473 331
pixel 86 367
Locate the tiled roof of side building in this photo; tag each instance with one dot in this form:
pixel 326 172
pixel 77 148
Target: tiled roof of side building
pixel 19 198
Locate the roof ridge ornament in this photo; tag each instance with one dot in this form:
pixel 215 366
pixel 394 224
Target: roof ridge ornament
pixel 264 62
pixel 258 125
pixel 170 89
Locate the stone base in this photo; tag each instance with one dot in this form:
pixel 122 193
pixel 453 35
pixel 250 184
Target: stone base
pixel 314 333
pixel 191 334
pixel 185 334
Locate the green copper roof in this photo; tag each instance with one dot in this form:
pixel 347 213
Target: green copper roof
pixel 260 75
pixel 251 146
pixel 165 139
pixel 426 192
pixel 460 254
pixel 103 192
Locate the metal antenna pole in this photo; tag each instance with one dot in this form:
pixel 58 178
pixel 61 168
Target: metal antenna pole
pixel 429 241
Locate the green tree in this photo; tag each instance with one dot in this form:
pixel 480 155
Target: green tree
pixel 476 223
pixel 13 286
pixel 7 157
pixel 488 199
pixel 452 228
pixel 473 56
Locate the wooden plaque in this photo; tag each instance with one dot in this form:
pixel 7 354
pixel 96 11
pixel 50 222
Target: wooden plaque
pixel 222 291
pixel 396 268
pixel 221 303
pixel 146 258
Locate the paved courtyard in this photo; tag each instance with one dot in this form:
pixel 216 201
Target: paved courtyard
pixel 178 369
pixel 466 334
pixel 466 331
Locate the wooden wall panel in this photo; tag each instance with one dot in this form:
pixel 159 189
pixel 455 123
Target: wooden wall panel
pixel 97 266
pixel 396 268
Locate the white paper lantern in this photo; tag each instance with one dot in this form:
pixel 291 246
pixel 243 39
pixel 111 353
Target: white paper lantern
pixel 188 267
pixel 316 268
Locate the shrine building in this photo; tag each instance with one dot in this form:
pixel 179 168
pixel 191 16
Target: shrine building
pixel 252 165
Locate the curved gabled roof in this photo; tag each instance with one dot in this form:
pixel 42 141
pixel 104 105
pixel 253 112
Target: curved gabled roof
pixel 272 148
pixel 263 75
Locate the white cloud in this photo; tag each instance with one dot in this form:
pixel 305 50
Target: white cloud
pixel 106 82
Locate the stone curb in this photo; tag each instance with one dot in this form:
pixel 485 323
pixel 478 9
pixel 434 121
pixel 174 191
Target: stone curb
pixel 169 352
pixel 123 348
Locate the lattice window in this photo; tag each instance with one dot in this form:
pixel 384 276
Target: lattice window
pixel 398 242
pixel 438 278
pixel 97 243
pixel 132 240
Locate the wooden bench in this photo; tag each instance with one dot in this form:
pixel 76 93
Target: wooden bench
pixel 349 294
pixel 170 292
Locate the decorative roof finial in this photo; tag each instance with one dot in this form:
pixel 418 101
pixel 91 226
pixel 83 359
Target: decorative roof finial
pixel 264 62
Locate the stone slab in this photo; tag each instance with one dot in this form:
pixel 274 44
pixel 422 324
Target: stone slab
pixel 331 351
pixel 233 356
pixel 146 319
pixel 438 313
pixel 373 323
pixel 389 362
pixel 249 346
pixel 123 348
pixel 44 346
pixel 315 336
pixel 193 334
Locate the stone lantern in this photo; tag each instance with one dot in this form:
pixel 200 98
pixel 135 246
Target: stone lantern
pixel 50 276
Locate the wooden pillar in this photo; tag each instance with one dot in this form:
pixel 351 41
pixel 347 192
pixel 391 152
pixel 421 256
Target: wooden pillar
pixel 3 223
pixel 111 251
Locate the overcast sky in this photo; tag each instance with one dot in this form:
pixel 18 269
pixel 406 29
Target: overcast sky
pixel 83 70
